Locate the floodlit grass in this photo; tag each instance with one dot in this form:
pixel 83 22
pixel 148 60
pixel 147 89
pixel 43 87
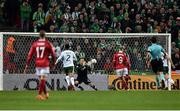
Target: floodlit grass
pixel 91 100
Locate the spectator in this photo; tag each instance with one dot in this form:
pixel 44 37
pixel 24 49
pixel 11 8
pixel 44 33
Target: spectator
pixel 67 15
pixel 75 14
pixel 49 17
pixel 25 14
pixel 178 41
pixel 65 26
pixel 38 18
pixel 108 67
pixel 2 15
pixel 12 9
pixel 176 59
pixel 79 53
pixel 95 26
pixel 175 30
pixel 126 23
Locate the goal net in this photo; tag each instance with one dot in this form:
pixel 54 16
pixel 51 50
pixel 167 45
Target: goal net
pixel 14 48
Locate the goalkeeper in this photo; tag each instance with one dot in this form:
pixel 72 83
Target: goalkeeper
pixel 82 70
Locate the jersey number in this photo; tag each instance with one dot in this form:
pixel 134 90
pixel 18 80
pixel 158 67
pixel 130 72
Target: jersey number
pixel 120 60
pixel 68 56
pixel 40 52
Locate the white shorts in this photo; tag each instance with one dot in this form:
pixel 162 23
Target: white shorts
pixel 42 71
pixel 122 72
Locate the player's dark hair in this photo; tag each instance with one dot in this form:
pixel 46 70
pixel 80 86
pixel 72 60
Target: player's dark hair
pixel 153 40
pixel 42 34
pixel 67 46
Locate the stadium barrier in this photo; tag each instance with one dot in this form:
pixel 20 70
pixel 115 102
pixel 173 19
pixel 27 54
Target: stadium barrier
pixel 57 82
pixel 54 82
pixel 141 82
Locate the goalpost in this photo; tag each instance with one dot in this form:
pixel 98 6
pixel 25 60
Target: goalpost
pixel 1 61
pixel 90 45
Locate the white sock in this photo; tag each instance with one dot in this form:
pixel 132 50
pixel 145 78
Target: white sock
pixel 166 83
pixel 72 80
pixel 169 82
pixel 68 80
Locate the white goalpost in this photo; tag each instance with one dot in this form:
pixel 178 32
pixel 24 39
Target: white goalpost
pixel 90 45
pixel 1 61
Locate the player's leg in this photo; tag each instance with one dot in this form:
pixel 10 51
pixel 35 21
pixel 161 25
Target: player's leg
pixel 160 70
pixel 77 82
pixel 126 78
pixel 71 75
pixel 122 73
pixel 119 74
pixel 168 81
pixel 42 73
pixel 166 76
pixel 67 78
pixel 155 66
pixel 41 88
pixel 88 82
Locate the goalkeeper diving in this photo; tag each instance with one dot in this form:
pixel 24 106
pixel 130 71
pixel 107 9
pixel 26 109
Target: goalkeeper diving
pixel 82 73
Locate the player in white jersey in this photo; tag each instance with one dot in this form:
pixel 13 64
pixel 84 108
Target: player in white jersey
pixel 166 59
pixel 68 57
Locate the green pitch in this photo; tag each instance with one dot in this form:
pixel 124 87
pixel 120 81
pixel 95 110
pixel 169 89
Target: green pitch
pixel 90 100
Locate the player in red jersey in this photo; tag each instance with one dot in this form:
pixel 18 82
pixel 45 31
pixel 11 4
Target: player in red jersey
pixel 42 49
pixel 122 65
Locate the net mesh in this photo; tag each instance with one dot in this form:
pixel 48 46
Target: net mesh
pixel 98 46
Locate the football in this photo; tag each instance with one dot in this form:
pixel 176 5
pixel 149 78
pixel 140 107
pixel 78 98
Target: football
pixel 94 61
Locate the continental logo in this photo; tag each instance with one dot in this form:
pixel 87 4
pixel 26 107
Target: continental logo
pixel 138 83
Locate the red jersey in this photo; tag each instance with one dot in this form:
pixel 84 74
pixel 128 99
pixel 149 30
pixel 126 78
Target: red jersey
pixel 120 60
pixel 42 49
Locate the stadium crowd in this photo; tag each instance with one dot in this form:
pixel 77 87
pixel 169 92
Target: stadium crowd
pixel 96 16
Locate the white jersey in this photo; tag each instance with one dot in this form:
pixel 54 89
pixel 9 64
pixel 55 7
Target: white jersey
pixel 67 57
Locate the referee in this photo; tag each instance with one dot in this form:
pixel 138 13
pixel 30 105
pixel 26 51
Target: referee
pixel 154 58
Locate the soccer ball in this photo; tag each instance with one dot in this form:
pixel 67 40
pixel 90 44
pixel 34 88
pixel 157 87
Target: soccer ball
pixel 94 61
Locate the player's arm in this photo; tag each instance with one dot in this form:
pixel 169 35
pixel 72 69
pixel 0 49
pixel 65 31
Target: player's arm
pixel 53 54
pixel 88 67
pixel 170 60
pixel 59 58
pixel 29 57
pixel 163 51
pixel 74 57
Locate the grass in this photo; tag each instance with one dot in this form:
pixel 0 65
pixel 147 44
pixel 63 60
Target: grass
pixel 91 100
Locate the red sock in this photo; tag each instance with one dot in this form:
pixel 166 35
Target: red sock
pixel 45 87
pixel 41 86
pixel 124 85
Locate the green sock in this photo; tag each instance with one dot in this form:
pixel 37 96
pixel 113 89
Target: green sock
pixel 162 77
pixel 157 80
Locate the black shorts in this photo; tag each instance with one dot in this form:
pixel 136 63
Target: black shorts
pixel 157 65
pixel 83 80
pixel 165 69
